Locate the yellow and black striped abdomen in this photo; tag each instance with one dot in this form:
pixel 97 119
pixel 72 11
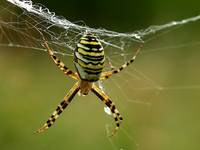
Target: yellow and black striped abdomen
pixel 89 58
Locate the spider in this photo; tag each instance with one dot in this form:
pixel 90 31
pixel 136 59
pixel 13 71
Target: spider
pixel 89 61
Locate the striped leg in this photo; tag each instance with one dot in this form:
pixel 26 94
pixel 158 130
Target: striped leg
pixel 108 74
pixel 117 117
pixel 67 99
pixel 59 63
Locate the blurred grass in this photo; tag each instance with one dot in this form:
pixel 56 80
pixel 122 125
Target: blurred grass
pixel 31 87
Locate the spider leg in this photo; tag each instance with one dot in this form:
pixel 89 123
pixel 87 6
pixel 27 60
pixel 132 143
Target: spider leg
pixel 108 74
pixel 66 100
pixel 117 117
pixel 59 63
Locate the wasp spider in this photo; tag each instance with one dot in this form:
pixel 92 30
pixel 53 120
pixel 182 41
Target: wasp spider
pixel 89 62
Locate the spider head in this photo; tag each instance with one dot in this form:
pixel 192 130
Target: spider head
pixel 85 87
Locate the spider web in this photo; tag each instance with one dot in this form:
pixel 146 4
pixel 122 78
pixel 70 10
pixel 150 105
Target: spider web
pixel 62 35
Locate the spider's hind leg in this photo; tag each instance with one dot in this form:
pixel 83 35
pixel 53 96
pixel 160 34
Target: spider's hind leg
pixel 59 63
pixel 108 74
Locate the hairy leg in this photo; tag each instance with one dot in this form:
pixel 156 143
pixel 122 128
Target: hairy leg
pixel 66 100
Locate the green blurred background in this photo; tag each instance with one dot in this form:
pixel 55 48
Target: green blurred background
pixel 162 117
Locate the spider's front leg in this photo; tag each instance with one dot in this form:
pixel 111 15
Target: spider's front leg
pixel 59 63
pixel 117 117
pixel 66 100
pixel 108 74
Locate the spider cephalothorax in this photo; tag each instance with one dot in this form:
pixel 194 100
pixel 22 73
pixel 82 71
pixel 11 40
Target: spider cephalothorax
pixel 89 62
